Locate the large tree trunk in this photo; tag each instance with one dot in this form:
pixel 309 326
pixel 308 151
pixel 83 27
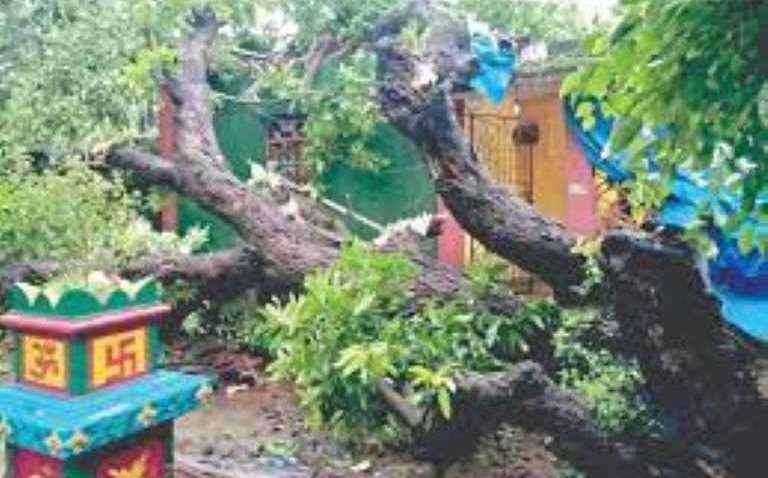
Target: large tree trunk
pixel 699 370
pixel 504 224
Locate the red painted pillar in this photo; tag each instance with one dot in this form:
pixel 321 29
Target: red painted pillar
pixel 450 243
pixel 581 216
pixel 169 215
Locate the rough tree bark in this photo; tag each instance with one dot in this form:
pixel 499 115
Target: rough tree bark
pixel 503 223
pixel 287 251
pixel 699 372
pixel 525 396
pixel 698 368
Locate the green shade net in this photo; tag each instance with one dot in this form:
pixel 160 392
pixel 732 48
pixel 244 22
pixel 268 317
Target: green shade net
pixel 398 190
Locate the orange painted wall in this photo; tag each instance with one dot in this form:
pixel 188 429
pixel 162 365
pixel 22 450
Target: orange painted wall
pixel 550 167
pixel 563 188
pixel 539 103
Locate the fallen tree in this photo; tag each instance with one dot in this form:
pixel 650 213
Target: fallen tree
pixel 699 367
pixel 699 371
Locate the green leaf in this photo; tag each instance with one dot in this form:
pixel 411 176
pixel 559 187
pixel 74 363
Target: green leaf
pixel 746 239
pixel 571 84
pixel 625 132
pixel 762 104
pixel 444 402
pixel 586 112
pixel 597 82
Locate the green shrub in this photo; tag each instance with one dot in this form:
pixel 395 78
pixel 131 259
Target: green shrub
pixel 229 321
pixel 356 324
pixel 610 384
pixel 72 213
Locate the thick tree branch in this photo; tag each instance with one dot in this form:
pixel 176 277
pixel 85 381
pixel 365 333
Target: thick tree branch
pixel 287 248
pixel 522 395
pixel 217 276
pixel 189 90
pixel 322 51
pixel 151 169
pixel 205 278
pixel 412 415
pixel 504 224
pixel 329 47
pixel 699 367
pixel 27 271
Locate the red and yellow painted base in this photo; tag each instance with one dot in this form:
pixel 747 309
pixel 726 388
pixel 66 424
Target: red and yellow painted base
pixel 79 357
pixel 89 400
pixel 147 455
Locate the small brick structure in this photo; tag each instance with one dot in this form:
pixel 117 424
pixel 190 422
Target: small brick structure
pixel 90 399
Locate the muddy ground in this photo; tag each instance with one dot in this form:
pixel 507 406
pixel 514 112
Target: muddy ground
pixel 254 428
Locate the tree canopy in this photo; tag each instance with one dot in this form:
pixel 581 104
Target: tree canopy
pixel 79 73
pixel 448 353
pixel 687 81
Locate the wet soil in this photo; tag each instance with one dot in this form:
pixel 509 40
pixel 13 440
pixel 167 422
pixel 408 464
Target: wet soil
pixel 254 428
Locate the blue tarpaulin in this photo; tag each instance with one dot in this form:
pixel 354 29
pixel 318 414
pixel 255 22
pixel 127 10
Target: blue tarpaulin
pixel 740 281
pixel 496 65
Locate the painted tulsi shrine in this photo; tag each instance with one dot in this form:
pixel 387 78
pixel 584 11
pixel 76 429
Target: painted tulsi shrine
pixel 89 399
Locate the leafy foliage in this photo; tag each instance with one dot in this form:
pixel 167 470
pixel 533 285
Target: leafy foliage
pixel 670 72
pixel 539 19
pixel 356 325
pixel 347 19
pixel 609 384
pixel 69 82
pixel 590 249
pixel 71 213
pixel 338 107
pixel 339 104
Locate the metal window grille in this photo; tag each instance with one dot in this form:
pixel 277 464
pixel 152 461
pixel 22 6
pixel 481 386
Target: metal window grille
pixel 511 165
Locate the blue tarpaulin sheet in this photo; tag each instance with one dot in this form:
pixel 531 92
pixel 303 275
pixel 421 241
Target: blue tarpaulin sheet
pixel 739 281
pixel 496 65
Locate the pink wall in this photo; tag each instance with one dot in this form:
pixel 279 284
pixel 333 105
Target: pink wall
pixel 581 196
pixel 450 243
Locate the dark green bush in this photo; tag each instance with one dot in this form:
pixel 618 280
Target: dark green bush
pixel 609 384
pixel 356 325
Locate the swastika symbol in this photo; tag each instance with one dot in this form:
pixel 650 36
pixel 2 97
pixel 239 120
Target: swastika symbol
pixel 117 357
pixel 121 359
pixel 44 360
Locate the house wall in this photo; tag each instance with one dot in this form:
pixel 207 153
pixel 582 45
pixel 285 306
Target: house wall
pixel 582 211
pixel 563 187
pixel 538 102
